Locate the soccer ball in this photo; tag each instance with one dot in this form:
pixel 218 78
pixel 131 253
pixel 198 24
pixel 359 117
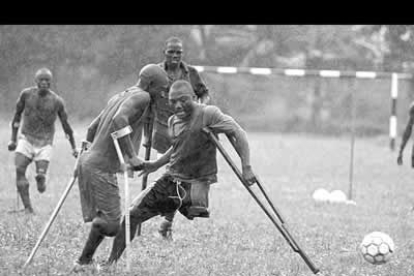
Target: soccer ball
pixel 321 195
pixel 377 248
pixel 337 196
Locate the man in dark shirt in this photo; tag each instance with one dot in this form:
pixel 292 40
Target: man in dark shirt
pixel 176 69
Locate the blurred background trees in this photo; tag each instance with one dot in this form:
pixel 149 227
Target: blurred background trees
pixel 92 62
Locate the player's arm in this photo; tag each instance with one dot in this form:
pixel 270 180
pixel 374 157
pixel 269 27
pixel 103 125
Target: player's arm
pixel 407 133
pixel 222 123
pixel 67 129
pixel 91 131
pixel 199 86
pixel 152 166
pixel 15 123
pixel 129 111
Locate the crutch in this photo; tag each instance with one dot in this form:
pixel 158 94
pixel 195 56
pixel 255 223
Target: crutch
pixel 115 136
pixel 280 226
pixel 59 205
pixel 148 145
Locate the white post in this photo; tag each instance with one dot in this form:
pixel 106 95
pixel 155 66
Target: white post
pixel 352 148
pixel 393 117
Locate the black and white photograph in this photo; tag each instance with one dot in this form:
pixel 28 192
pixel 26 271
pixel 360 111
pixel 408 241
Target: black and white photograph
pixel 225 150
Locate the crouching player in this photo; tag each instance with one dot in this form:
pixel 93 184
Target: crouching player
pixel 191 164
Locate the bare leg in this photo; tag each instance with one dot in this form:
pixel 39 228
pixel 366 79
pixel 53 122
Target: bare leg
pixel 100 228
pixel 22 162
pixel 41 169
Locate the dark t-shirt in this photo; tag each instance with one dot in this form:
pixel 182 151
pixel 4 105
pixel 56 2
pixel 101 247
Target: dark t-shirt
pixel 192 143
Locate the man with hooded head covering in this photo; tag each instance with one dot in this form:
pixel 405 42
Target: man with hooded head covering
pixel 37 109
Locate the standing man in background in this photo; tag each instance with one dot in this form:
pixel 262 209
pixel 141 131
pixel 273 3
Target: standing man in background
pixel 40 107
pixel 176 69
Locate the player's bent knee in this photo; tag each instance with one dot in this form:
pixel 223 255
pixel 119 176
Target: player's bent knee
pixel 106 228
pixel 22 183
pixel 21 171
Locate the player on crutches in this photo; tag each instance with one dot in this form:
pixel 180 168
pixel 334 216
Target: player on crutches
pixel 192 167
pixel 115 137
pixel 273 213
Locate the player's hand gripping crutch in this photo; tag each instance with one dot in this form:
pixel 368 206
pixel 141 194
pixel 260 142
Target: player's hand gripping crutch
pixel 148 145
pixel 59 205
pixel 115 136
pixel 280 226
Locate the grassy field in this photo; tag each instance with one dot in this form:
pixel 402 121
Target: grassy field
pixel 238 239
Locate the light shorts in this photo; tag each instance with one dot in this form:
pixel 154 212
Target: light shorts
pixel 35 153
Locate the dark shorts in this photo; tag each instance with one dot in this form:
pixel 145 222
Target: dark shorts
pixel 163 197
pixel 99 193
pixel 160 140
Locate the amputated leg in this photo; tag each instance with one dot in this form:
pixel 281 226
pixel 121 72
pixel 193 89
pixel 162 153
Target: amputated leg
pixel 195 202
pixel 199 200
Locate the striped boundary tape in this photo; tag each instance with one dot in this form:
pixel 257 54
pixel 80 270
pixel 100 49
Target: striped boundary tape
pixel 324 74
pixel 301 72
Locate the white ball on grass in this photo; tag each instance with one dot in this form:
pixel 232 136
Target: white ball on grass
pixel 320 195
pixel 337 196
pixel 377 247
